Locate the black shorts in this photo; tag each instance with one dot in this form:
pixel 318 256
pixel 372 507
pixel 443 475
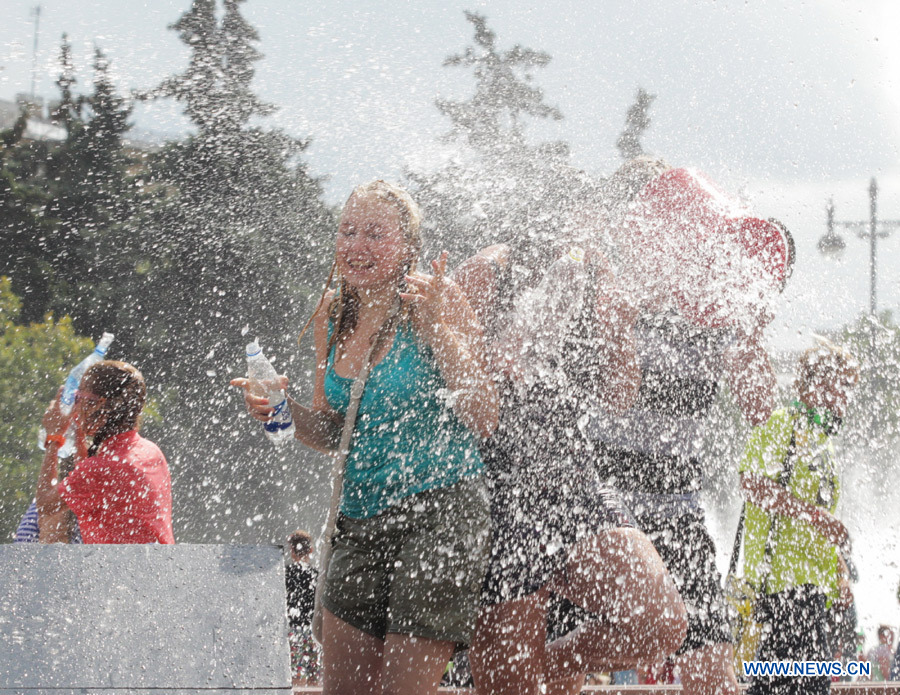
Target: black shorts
pixel 544 489
pixel 685 546
pixel 795 628
pixel 687 550
pixel 536 518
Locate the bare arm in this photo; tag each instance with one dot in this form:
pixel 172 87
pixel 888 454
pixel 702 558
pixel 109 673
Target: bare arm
pixel 52 510
pixel 447 323
pixel 750 378
pixel 476 278
pixel 769 495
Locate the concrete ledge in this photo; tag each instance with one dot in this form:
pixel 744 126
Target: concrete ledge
pixel 892 688
pixel 143 619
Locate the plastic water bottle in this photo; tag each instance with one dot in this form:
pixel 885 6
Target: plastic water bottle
pixel 70 388
pixel 264 382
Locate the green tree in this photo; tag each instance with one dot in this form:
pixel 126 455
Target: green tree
pixel 491 120
pixel 64 205
pixel 237 239
pixel 238 227
pixel 34 359
pixel 636 123
pixel 25 234
pixel 873 418
pixel 498 184
pixel 97 204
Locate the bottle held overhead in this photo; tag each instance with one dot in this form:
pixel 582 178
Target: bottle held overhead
pixel 70 388
pixel 264 382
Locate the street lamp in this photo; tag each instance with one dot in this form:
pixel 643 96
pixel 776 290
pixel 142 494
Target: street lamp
pixel 832 245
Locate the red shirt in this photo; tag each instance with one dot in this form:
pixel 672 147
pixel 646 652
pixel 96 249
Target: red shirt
pixel 123 493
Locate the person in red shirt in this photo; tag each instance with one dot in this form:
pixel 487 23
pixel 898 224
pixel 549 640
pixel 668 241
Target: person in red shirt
pixel 119 490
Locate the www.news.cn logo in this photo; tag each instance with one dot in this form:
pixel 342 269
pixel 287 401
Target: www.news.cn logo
pixel 832 669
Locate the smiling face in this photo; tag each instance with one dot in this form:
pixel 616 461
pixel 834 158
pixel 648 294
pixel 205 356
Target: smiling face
pixel 372 252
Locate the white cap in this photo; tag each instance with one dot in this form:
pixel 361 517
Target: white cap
pixel 105 341
pixel 253 349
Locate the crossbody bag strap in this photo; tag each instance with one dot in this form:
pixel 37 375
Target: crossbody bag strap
pixel 357 388
pixel 784 479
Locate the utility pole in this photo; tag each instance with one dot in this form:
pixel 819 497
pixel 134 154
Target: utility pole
pixel 36 11
pixel 832 245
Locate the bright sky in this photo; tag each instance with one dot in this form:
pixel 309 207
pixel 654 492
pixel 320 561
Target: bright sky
pixel 787 103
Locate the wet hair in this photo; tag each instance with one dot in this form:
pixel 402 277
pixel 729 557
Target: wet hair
pixel 124 391
pixel 533 247
pixel 825 360
pixel 344 309
pixel 300 543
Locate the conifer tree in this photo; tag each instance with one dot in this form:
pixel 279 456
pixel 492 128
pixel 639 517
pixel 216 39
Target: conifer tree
pixel 491 120
pixel 24 232
pixel 80 188
pixel 637 122
pixel 242 217
pixel 236 241
pixel 498 184
pixel 68 108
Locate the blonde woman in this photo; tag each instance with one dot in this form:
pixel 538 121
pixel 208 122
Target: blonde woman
pixel 411 541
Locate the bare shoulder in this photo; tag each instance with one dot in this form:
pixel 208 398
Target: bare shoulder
pixel 497 253
pixel 324 306
pixel 472 271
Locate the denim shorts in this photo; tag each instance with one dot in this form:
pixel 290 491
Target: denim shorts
pixel 415 568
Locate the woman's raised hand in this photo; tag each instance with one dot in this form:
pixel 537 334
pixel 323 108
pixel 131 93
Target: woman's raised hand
pixel 426 294
pixel 258 406
pixel 55 422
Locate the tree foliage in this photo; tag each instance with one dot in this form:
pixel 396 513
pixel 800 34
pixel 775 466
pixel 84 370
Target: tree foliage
pixel 235 241
pixel 178 251
pixel 237 226
pixel 496 184
pixel 67 202
pixel 491 120
pixel 873 417
pixel 34 359
pixel 637 121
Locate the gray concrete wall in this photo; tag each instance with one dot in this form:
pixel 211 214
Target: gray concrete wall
pixel 117 618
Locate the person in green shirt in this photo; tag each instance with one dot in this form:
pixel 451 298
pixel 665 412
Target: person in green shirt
pixel 790 479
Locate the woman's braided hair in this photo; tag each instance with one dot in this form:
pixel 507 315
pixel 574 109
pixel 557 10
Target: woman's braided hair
pixel 124 391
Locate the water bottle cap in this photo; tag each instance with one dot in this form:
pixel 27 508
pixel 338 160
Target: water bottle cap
pixel 104 343
pixel 253 349
pixel 576 253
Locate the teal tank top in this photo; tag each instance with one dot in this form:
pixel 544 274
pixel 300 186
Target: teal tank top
pixel 407 438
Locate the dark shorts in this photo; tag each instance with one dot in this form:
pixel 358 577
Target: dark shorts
pixel 536 518
pixel 415 568
pixel 685 546
pixel 795 628
pixel 687 550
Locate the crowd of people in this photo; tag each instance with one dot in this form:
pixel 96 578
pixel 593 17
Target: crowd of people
pixel 518 443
